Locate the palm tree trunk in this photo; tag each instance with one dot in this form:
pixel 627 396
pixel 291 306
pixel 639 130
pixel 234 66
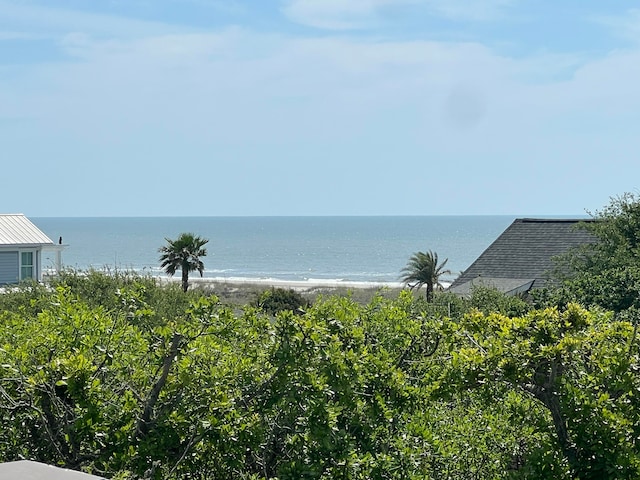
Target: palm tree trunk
pixel 185 278
pixel 429 292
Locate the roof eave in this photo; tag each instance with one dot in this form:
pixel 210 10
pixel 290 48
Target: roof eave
pixel 25 245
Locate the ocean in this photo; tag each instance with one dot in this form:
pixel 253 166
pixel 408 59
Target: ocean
pixel 341 249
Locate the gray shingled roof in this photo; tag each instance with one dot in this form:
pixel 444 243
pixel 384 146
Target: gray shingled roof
pixel 18 230
pixel 522 254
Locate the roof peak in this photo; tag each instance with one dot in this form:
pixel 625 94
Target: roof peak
pixel 553 220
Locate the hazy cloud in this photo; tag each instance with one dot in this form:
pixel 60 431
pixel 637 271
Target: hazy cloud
pixel 481 10
pixel 233 7
pixel 243 106
pixel 274 87
pixel 355 14
pixel 337 14
pixel 625 26
pixel 9 35
pixel 51 20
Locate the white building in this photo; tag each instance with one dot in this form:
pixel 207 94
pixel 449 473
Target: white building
pixel 21 245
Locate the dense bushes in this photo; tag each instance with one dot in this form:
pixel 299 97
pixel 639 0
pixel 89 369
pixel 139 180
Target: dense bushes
pixel 147 382
pixel 276 300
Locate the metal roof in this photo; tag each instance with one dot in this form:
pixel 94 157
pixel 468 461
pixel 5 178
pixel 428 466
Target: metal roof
pixel 16 229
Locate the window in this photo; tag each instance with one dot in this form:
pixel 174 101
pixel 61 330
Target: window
pixel 26 265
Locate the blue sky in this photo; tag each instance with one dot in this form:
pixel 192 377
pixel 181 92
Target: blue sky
pixel 317 107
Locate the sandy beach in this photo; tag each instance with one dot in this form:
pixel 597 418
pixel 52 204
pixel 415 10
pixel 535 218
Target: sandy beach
pixel 243 290
pixel 297 285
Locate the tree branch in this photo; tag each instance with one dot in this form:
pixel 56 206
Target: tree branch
pixel 144 422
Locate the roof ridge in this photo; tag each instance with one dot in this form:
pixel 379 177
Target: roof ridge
pixel 553 220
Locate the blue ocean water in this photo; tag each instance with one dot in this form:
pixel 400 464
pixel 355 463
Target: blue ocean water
pixel 356 249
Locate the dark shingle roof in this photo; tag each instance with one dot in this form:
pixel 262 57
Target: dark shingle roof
pixel 523 253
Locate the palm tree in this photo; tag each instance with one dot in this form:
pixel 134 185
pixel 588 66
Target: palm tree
pixel 423 269
pixel 183 254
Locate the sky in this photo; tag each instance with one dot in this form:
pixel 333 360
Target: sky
pixel 317 107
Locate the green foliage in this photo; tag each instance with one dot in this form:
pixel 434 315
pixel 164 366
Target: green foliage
pixel 142 381
pixel 98 287
pixel 579 365
pixel 468 437
pixel 139 298
pixel 57 369
pixel 28 298
pixel 491 300
pixel 485 299
pixel 211 393
pixel 607 272
pixel 276 300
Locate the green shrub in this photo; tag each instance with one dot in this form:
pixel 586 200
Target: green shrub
pixel 276 300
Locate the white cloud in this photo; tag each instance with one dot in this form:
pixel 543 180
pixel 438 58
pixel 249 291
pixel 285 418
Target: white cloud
pixel 339 14
pixel 354 14
pixel 355 106
pixel 50 21
pixel 9 35
pixel 237 86
pixel 480 10
pixel 625 26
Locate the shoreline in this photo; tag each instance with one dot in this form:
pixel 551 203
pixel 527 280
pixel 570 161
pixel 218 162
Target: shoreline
pixel 297 285
pixel 244 290
pixel 309 284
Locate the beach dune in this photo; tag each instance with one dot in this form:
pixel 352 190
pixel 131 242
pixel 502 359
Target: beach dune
pixel 297 285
